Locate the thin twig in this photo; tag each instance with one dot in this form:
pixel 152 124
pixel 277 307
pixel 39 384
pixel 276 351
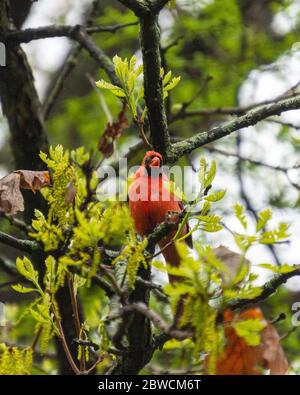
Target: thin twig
pixel 245 197
pixel 59 84
pixel 75 313
pixel 156 319
pixel 66 347
pixel 36 338
pixel 101 99
pixel 241 110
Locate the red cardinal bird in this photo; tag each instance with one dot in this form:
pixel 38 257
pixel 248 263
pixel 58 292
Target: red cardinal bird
pixel 150 202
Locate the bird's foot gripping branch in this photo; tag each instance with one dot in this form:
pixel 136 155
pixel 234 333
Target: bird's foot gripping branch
pixel 91 247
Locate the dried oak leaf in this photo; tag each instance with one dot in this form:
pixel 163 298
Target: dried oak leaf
pixel 34 180
pixel 11 199
pixel 272 352
pixel 231 260
pixel 239 358
pixel 111 133
pixel 70 193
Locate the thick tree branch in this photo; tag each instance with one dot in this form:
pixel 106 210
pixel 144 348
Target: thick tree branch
pixel 22 109
pixel 98 54
pixel 139 7
pixel 143 7
pixel 249 119
pixel 150 44
pixel 22 245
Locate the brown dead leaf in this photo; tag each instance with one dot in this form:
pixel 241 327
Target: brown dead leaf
pixel 272 351
pixel 11 199
pixel 71 191
pixel 34 180
pixel 230 259
pixel 111 133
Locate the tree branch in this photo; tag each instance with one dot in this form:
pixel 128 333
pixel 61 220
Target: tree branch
pixel 246 198
pixel 23 111
pixel 22 245
pixel 155 318
pixel 249 119
pixel 139 7
pixel 98 54
pixel 67 68
pixel 69 65
pixel 158 5
pixel 150 39
pixel 241 110
pixel 267 290
pixel 14 37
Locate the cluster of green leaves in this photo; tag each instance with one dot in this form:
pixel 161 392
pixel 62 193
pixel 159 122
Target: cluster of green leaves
pixel 72 234
pixel 44 308
pixel 134 255
pixel 261 236
pixel 68 178
pixel 128 73
pixel 249 329
pixel 131 89
pixel 208 282
pixel 14 361
pixel 199 286
pixel 200 208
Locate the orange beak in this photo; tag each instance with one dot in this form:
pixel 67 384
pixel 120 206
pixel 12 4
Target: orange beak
pixel 155 162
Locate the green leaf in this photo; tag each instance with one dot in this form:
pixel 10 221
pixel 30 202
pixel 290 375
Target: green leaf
pixel 216 196
pixel 38 317
pixel 26 268
pixel 202 172
pixel 175 81
pixel 211 174
pixel 249 330
pixel 278 269
pixel 250 293
pixel 132 63
pixel 20 288
pixel 239 213
pixel 116 90
pixel 167 77
pixel 263 218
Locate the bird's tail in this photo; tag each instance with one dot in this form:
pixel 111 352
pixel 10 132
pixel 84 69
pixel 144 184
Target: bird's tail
pixel 172 257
